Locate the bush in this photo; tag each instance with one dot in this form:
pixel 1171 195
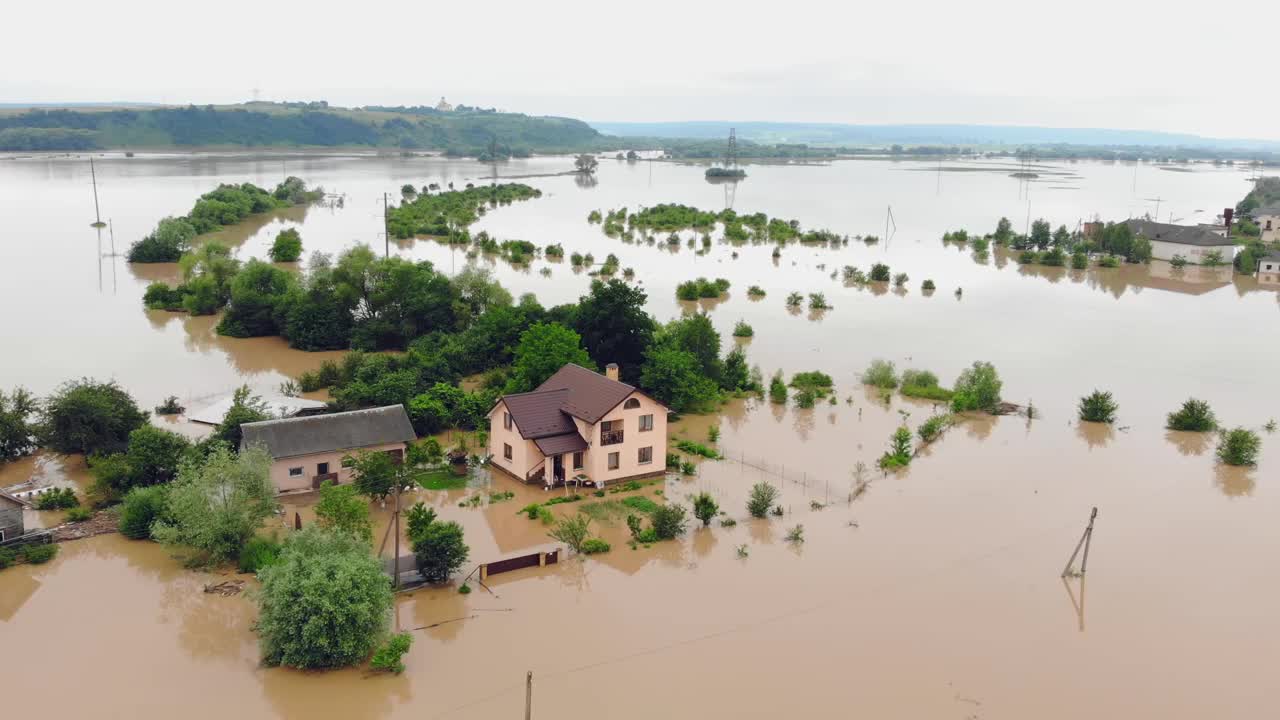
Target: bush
pixel 1239 447
pixel 79 514
pixel 1079 261
pixel 38 554
pixel 705 508
pixel 439 549
pixel 1098 406
pixel 796 534
pixel 1178 262
pixel 930 429
pixel 928 392
pixel 755 291
pixel 170 406
pixel 928 285
pixel 57 499
pixel 8 556
pixel 795 300
pixel 814 380
pixel 87 417
pixel 591 546
pixel 216 505
pixel 741 329
pixel 777 388
pixel 900 279
pixel 1028 257
pixel 694 448
pixel 806 398
pixel 142 507
pixel 818 301
pixel 668 521
pixel 573 531
pixel 258 553
pixel 1109 261
pixel 388 656
pixel 881 373
pixel 919 378
pixel 899 453
pixel 287 246
pixel 762 498
pixel 879 272
pixel 1194 416
pixel 324 604
pixel 977 388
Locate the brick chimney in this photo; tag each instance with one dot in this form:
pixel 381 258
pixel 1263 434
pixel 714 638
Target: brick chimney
pixel 611 371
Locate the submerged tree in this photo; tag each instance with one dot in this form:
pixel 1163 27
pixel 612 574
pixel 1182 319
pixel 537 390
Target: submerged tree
pixel 217 503
pixel 87 416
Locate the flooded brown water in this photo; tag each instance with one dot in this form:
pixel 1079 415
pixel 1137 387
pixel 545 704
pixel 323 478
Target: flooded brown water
pixel 935 594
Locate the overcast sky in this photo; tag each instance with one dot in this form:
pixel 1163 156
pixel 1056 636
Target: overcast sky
pixel 1116 64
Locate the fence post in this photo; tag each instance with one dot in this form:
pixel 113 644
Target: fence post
pixel 528 695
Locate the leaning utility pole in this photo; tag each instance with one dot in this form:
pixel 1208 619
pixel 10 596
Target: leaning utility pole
pixel 386 233
pixel 1085 540
pixel 96 212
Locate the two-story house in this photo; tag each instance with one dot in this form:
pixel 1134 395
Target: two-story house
pixel 579 426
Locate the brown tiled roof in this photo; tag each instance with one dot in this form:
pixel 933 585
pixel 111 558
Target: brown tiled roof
pixel 539 413
pixel 557 444
pixel 591 394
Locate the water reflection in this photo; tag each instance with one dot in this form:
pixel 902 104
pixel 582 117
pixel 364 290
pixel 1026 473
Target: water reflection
pixel 1095 435
pixel 1190 443
pixel 1233 480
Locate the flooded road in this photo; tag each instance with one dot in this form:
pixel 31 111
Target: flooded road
pixel 934 594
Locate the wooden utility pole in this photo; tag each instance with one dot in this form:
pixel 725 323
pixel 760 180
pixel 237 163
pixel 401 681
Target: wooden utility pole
pixel 386 233
pixel 395 564
pixel 97 213
pixel 1085 540
pixel 528 695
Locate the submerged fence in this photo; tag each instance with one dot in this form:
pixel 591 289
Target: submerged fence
pixel 825 487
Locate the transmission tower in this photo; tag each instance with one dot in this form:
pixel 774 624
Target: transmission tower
pixel 731 152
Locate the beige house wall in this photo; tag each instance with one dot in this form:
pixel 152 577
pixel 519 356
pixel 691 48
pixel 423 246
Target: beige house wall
pixel 284 482
pixel 1269 234
pixel 1194 254
pixel 524 454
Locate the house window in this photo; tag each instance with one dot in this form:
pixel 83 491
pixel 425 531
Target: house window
pixel 577 460
pixel 506 421
pixel 397 455
pixel 610 432
pixel 613 461
pixel 631 404
pixel 646 455
pixel 506 450
pixel 295 472
pixel 322 468
pixel 646 423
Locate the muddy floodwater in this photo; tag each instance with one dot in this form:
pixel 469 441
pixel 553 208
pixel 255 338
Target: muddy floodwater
pixel 935 593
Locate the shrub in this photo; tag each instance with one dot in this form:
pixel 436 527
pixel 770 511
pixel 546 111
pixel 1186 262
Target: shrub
pixel 818 301
pixel 879 272
pixel 342 510
pixel 880 373
pixel 777 389
pixel 742 329
pixel 1194 415
pixel 796 534
pixel 79 514
pixel 1098 406
pixel 572 531
pixel 919 378
pixel 641 503
pixel 713 433
pixel 1079 261
pixel 1028 257
pixel 1055 257
pixel 170 406
pixel 1109 261
pixel 728 522
pixel 668 521
pixel 694 448
pixel 1178 261
pixel 977 388
pixel 899 453
pixel 8 556
pixel 812 379
pixel 633 525
pixel 673 461
pixel 755 291
pixel 1239 447
pixel 591 546
pixel 687 468
pixel 142 507
pixel 388 656
pixel 930 429
pixel 216 505
pixel 439 550
pixel 287 246
pixel 928 392
pixel 88 417
pixel 900 279
pixel 928 285
pixel 57 499
pixel 794 300
pixel 324 604
pixel 258 553
pixel 805 399
pixel 38 554
pixel 762 498
pixel 705 508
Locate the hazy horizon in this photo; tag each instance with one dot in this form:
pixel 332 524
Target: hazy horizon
pixel 1101 65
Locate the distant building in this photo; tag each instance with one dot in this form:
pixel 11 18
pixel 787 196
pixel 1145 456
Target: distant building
pixel 306 451
pixel 579 427
pixel 1268 221
pixel 1190 241
pixel 443 106
pixel 11 522
pixel 1269 268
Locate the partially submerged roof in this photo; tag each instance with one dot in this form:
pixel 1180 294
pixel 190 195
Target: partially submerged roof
pixel 591 394
pixel 14 499
pixel 278 405
pixel 539 413
pixel 560 444
pixel 1180 234
pixel 291 437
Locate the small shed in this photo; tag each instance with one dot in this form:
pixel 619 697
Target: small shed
pixel 11 521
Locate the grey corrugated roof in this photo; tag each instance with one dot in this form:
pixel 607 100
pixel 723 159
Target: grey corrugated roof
pixel 1265 210
pixel 291 437
pixel 15 499
pixel 539 413
pixel 557 444
pixel 591 394
pixel 1180 234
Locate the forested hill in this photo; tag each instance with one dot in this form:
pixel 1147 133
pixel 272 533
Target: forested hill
pixel 467 132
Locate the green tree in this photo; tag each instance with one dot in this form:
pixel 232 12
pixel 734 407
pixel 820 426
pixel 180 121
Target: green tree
pixel 479 291
pixel 573 531
pixel 614 325
pixel 326 602
pixel 316 313
pixel 439 549
pixel 586 164
pixel 1239 447
pixel 545 348
pixel 668 521
pixel 1098 406
pixel 763 496
pixel 287 246
pixel 735 374
pixel 705 508
pixel 167 243
pixel 777 388
pixel 207 272
pixel 256 297
pixel 154 455
pixel 142 506
pixel 1194 416
pixel 675 379
pixel 977 388
pixel 341 510
pixel 245 408
pixel 1041 234
pixel 216 504
pixel 899 452
pixel 374 474
pixel 87 416
pixel 696 335
pixel 17 427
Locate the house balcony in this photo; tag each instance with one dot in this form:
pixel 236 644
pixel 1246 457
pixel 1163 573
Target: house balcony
pixel 610 437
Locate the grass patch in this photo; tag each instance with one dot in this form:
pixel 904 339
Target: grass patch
pixel 928 393
pixel 440 480
pixel 641 503
pixel 694 448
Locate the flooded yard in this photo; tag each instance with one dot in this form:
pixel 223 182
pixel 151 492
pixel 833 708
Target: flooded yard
pixel 934 594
